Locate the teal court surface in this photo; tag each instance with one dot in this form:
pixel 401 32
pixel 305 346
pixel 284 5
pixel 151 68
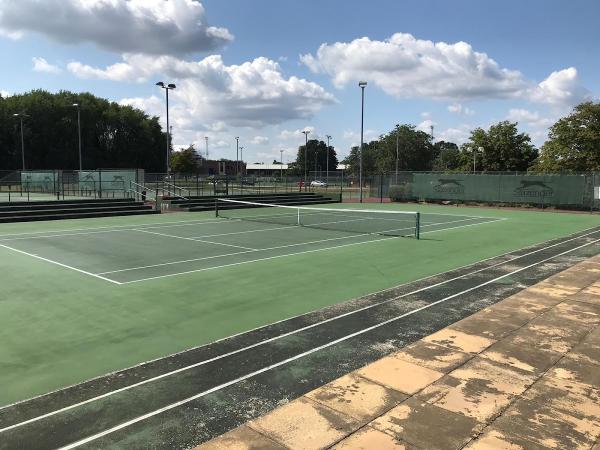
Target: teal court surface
pixel 234 314
pixel 133 254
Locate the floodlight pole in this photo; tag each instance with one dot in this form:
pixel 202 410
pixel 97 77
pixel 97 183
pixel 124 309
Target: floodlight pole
pixel 76 105
pixel 237 156
pixel 397 151
pixel 241 162
pixel 362 85
pixel 327 177
pixel 281 166
pixel 167 88
pixel 306 133
pixel 206 142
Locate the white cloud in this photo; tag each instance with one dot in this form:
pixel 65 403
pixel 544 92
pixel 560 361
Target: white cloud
pixel 209 92
pixel 288 135
pixel 561 88
pixel 353 137
pixel 529 118
pixel 259 140
pixel 41 65
pixel 157 27
pixel 4 94
pixel 459 135
pixel 426 126
pixel 458 108
pixel 403 66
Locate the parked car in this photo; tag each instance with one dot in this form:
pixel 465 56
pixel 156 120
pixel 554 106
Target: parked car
pixel 316 183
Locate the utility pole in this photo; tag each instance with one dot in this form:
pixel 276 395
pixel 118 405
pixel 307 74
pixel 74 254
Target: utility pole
pixel 237 155
pixel 397 150
pixel 327 177
pixel 281 165
pixel 306 133
pixel 167 88
pixel 362 85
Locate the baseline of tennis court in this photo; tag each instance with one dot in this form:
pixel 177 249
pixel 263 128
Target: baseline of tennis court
pixel 124 255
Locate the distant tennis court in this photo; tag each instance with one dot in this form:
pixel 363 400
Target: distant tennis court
pixel 243 233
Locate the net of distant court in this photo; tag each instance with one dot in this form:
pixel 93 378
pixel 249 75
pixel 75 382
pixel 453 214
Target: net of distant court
pixel 356 221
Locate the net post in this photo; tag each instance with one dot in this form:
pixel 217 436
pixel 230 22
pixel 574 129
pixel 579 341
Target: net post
pixel 216 207
pixel 298 217
pixel 418 226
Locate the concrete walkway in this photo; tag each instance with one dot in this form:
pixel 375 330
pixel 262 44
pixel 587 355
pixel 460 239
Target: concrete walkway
pixel 522 374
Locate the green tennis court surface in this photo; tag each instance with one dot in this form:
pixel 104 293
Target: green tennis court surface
pixel 83 298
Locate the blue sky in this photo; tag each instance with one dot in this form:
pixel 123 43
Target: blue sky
pixel 264 70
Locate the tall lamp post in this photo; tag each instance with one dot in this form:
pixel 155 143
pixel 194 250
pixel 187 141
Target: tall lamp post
pixel 167 88
pixel 76 105
pixel 362 85
pixel 397 150
pixel 281 166
pixel 306 133
pixel 21 116
pixel 206 142
pixel 241 162
pixel 237 155
pixel 327 167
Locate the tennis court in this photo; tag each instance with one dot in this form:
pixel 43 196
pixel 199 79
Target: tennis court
pixel 124 255
pixel 136 329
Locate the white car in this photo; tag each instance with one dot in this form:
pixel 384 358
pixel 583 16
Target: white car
pixel 316 183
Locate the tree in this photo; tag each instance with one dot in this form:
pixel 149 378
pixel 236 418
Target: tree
pixel 352 161
pixel 185 161
pixel 113 135
pixel 574 142
pixel 317 158
pixel 504 149
pixel 449 157
pixel 415 152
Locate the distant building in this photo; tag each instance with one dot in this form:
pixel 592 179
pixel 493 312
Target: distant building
pixel 266 170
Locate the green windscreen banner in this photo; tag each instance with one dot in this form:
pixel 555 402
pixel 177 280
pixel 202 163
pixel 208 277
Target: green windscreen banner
pixel 558 190
pixel 108 180
pixel 41 181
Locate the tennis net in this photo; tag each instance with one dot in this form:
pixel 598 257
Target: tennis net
pixel 357 221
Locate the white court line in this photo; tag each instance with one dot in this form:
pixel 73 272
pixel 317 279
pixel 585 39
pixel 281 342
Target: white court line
pixel 298 330
pixel 60 264
pixel 118 227
pixel 308 352
pixel 276 248
pixel 193 223
pixel 194 239
pixel 287 254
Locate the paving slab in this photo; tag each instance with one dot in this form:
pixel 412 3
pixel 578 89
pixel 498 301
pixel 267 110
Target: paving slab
pixel 526 357
pixel 547 426
pixel 399 374
pixel 357 397
pixel 472 398
pixel 498 377
pixel 493 439
pixel 433 356
pixel 458 340
pixel 494 323
pixel 428 426
pixel 371 439
pixel 563 395
pixel 553 290
pixel 241 438
pixel 304 424
pixel 577 370
pixel 545 336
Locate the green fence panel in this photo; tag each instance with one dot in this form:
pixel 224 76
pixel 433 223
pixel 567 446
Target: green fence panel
pixel 551 190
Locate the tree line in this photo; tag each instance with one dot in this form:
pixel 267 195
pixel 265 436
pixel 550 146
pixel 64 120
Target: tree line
pixel 573 145
pixel 113 135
